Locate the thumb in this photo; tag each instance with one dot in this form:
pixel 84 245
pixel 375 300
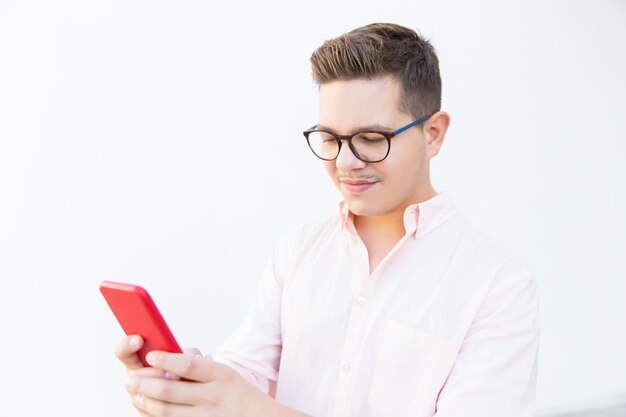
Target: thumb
pixel 192 351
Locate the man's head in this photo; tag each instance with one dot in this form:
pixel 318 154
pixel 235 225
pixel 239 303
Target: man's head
pixel 384 49
pixel 381 76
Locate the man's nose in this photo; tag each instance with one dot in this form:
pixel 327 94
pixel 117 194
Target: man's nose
pixel 346 160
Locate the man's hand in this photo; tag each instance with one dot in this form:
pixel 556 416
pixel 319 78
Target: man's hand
pixel 211 389
pixel 126 352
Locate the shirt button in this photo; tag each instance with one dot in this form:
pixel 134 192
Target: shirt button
pixel 346 367
pixel 361 300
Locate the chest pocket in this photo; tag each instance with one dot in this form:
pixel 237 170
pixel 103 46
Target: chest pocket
pixel 410 368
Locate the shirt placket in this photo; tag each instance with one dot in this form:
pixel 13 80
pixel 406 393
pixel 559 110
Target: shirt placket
pixel 357 323
pixel 357 320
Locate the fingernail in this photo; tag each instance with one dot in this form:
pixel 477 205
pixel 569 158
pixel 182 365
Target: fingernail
pixel 150 358
pixel 134 342
pixel 138 398
pixel 171 376
pixel 130 381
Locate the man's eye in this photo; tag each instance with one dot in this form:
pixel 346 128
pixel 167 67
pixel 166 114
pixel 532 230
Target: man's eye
pixel 373 139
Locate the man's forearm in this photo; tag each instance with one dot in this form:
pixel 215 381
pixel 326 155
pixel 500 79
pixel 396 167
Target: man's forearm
pixel 280 410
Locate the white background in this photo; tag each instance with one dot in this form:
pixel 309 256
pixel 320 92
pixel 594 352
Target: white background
pixel 160 143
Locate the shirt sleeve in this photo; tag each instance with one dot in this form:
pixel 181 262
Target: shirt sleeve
pixel 495 373
pixel 254 349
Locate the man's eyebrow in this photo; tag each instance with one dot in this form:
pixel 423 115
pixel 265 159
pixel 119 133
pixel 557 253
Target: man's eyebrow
pixel 375 126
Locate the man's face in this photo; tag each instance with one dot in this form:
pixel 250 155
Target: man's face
pixel 374 189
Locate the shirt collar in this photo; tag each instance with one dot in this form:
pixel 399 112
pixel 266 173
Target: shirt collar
pixel 419 218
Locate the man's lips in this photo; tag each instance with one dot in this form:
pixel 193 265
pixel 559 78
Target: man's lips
pixel 356 186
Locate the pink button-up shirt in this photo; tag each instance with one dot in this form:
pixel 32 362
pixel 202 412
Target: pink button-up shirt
pixel 447 325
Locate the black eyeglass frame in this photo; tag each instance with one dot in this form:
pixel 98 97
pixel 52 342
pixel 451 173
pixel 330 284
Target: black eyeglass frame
pixel 387 135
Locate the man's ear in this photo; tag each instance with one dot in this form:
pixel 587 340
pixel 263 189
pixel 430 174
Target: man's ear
pixel 435 129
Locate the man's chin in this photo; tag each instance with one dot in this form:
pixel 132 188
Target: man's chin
pixel 362 207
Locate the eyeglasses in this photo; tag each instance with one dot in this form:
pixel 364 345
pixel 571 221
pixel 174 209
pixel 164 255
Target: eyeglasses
pixel 369 146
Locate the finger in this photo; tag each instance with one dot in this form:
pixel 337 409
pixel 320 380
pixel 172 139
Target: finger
pixel 178 392
pixel 151 372
pixel 141 413
pixel 192 351
pixel 132 376
pixel 195 368
pixel 131 396
pixel 126 351
pixel 156 408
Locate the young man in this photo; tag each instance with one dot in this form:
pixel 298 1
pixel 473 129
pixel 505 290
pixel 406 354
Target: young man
pixel 399 305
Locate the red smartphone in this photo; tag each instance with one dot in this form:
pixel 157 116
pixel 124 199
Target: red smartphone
pixel 136 312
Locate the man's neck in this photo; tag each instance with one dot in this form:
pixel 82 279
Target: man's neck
pixel 380 233
pixel 389 224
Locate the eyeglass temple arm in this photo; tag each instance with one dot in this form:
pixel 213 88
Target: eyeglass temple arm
pixel 418 121
pixel 402 129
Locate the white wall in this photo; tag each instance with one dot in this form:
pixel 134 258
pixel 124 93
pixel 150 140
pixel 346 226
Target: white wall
pixel 160 143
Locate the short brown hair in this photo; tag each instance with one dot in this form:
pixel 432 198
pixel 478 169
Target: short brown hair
pixel 381 49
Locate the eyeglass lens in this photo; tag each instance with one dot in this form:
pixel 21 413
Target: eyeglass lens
pixel 368 146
